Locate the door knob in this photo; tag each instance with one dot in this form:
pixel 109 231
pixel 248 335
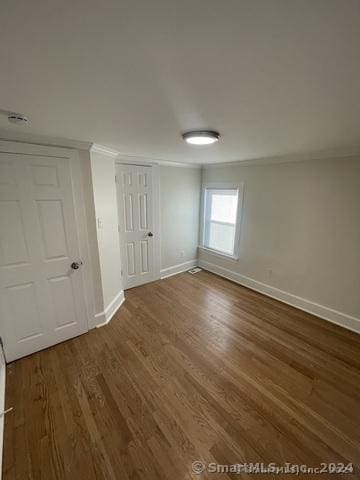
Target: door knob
pixel 150 234
pixel 76 265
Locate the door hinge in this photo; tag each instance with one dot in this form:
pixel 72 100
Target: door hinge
pixel 116 178
pixel 121 272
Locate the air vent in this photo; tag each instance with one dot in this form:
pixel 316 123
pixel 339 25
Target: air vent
pixel 17 118
pixel 194 270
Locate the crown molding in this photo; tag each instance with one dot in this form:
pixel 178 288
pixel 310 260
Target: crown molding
pixel 136 159
pixel 22 137
pixel 301 157
pixel 319 155
pixel 179 164
pixel 96 148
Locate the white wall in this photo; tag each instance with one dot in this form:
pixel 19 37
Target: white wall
pixel 104 195
pixel 300 232
pixel 179 215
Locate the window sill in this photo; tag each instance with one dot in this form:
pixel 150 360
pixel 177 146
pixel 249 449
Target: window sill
pixel 220 254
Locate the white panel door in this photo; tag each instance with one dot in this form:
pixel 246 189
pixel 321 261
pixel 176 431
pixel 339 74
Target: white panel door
pixel 41 295
pixel 136 223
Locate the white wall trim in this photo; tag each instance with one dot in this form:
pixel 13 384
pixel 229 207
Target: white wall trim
pixel 103 318
pixel 334 316
pixel 35 149
pixel 157 219
pixel 96 148
pixel 168 163
pixel 181 267
pixel 44 140
pixel 139 160
pixel 59 142
pixel 2 403
pixel 291 157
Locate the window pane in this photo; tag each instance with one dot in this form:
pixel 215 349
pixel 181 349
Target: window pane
pixel 223 207
pixel 221 237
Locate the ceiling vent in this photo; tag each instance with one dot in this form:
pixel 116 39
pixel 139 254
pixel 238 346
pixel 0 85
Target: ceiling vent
pixel 17 118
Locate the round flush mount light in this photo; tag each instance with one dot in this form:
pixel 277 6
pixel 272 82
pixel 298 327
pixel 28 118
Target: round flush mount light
pixel 201 137
pixel 17 118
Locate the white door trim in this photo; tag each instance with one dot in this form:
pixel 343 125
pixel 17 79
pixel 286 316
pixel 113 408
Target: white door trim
pixel 156 208
pixel 79 207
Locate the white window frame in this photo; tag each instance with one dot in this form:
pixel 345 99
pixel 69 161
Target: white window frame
pixel 222 186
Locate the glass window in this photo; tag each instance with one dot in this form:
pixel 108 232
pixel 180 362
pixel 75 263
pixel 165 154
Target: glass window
pixel 220 219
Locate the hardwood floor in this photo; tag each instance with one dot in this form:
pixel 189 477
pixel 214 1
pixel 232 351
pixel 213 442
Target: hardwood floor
pixel 191 368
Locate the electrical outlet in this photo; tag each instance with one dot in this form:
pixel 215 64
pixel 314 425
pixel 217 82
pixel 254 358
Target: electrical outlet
pixel 182 254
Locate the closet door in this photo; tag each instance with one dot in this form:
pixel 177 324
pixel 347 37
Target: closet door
pixel 41 287
pixel 136 223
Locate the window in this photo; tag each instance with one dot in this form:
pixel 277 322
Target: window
pixel 221 218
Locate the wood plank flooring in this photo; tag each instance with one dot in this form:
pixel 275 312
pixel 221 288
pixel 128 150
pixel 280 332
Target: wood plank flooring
pixel 191 368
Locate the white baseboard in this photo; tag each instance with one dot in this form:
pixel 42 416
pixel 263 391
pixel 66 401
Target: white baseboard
pixel 181 267
pixel 334 316
pixel 103 318
pixel 2 403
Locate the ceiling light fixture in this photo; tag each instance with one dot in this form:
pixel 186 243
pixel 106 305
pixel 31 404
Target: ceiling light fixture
pixel 201 137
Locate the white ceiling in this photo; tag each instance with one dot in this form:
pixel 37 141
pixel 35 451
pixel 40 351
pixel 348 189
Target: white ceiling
pixel 275 77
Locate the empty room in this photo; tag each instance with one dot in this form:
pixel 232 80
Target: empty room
pixel 179 239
